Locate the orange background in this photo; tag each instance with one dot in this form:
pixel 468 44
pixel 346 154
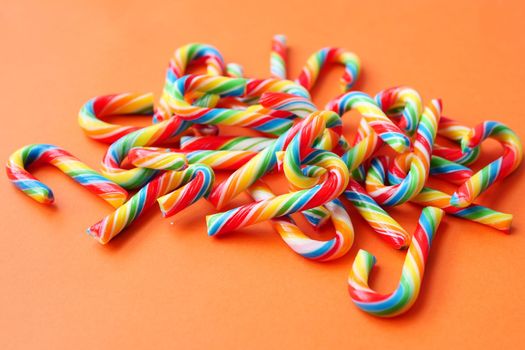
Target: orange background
pixel 161 285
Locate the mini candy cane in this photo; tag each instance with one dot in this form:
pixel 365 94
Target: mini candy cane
pixel 301 243
pixel 404 103
pixel 417 176
pixel 222 86
pixel 225 143
pixel 182 58
pixel 91 115
pixel 278 57
pixel 475 213
pixel 321 58
pixel 375 117
pixel 67 163
pixel 234 70
pixel 170 159
pixel 332 186
pixel 382 223
pixel 260 165
pixel 402 299
pixel 497 170
pixel 148 136
pixel 198 179
pixel 452 130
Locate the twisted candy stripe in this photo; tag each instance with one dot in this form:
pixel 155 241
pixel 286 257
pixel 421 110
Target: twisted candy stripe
pixel 234 70
pixel 333 185
pixel 321 58
pixel 148 136
pixel 300 242
pixel 452 130
pixel 261 164
pixel 402 299
pixel 232 143
pixel 278 57
pixel 198 180
pixel 404 103
pixel 181 60
pixel 128 104
pixel 497 170
pixel 222 86
pixel 280 101
pixel 378 121
pixel 382 223
pixel 417 176
pixel 476 213
pixel 168 159
pixel 68 164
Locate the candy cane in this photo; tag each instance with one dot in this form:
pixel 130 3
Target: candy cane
pixel 170 159
pixel 381 222
pixel 90 117
pixel 417 176
pixel 495 171
pixel 404 103
pixel 300 242
pixel 402 299
pixel 332 186
pixel 197 179
pixel 317 61
pixel 278 57
pixel 68 164
pixel 181 60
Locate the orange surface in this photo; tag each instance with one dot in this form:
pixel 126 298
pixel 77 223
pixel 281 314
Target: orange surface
pixel 162 285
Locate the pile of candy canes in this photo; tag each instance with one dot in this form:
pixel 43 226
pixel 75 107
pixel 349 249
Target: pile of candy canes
pixel 296 137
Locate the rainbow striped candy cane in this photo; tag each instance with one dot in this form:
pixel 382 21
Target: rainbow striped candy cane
pixel 404 103
pixel 225 87
pixel 381 222
pixel 91 115
pixel 495 171
pixel 374 116
pixel 178 65
pixel 417 175
pixel 332 186
pixel 68 164
pixel 317 61
pixel 197 180
pixel 260 165
pixel 278 57
pixel 299 242
pixel 170 159
pixel 402 299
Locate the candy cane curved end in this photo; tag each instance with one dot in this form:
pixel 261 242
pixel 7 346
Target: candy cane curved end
pixel 405 295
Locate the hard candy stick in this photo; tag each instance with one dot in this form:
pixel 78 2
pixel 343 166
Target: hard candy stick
pixel 278 57
pixel 68 164
pixel 317 61
pixel 173 159
pixel 225 143
pixel 417 175
pixel 452 130
pixel 181 60
pixel 222 86
pixel 90 117
pixel 476 213
pixel 332 186
pixel 495 171
pixel 383 224
pixel 404 103
pixel 300 242
pixel 234 70
pixel 390 133
pixel 259 165
pixel 107 228
pixel 402 299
